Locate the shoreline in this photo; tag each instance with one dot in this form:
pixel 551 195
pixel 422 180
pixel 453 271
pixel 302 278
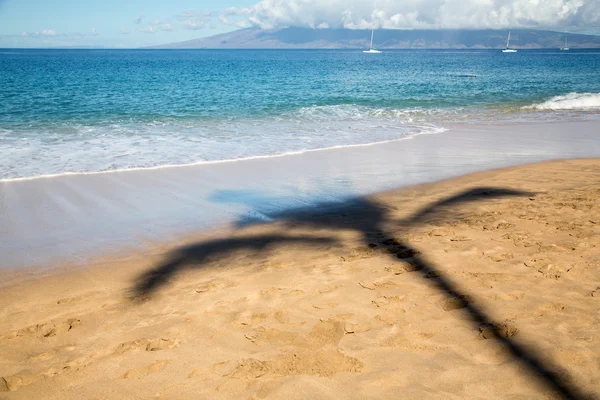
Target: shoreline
pixel 468 125
pixel 208 163
pixel 265 309
pixel 13 277
pixel 72 219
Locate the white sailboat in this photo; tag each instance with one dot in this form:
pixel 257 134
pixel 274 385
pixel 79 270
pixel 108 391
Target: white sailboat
pixel 508 49
pixel 566 48
pixel 371 49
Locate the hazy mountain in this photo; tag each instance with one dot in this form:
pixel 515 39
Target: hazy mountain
pixel 305 38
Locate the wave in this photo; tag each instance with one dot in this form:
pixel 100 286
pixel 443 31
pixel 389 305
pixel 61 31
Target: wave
pixel 571 101
pixel 390 116
pixel 114 145
pixel 425 131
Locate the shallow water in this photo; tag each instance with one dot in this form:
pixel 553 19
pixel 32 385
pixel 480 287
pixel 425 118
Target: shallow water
pixel 64 111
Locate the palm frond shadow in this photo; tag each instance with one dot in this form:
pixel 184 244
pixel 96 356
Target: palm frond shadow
pixel 196 255
pixel 370 219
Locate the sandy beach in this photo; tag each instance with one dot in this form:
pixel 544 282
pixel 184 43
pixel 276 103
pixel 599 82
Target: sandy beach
pixel 480 286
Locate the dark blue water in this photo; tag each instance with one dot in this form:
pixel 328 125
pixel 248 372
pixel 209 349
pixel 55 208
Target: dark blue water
pixel 97 110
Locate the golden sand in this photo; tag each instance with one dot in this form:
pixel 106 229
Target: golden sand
pixel 484 286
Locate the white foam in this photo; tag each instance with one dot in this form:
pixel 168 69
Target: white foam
pixel 67 149
pixel 432 130
pixel 571 101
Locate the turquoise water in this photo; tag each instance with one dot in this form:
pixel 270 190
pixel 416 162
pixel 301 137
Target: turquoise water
pixel 65 111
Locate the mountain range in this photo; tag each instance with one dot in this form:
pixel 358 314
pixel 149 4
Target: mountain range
pixel 306 38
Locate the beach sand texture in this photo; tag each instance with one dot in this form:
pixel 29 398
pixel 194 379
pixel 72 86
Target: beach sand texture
pixel 483 286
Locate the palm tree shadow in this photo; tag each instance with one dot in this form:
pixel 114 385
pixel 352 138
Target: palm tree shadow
pixel 198 254
pixel 372 221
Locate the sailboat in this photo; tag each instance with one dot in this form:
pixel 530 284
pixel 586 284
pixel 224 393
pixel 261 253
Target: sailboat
pixel 371 49
pixel 565 48
pixel 508 49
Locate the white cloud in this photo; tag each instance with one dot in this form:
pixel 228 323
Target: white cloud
pixel 194 14
pixel 47 32
pixel 193 24
pixel 155 26
pixel 44 33
pixel 94 32
pixel 421 14
pixel 138 20
pixel 194 20
pixel 223 18
pixel 125 31
pixel 148 29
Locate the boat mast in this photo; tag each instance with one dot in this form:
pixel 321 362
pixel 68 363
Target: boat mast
pixel 508 40
pixel 371 38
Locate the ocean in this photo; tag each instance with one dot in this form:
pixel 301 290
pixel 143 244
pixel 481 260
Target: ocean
pixel 89 111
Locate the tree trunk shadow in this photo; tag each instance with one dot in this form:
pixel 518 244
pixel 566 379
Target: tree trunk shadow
pixel 369 219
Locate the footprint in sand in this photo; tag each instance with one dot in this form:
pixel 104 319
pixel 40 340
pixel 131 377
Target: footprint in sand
pixel 14 382
pixel 548 309
pixel 373 285
pixel 63 327
pixel 358 253
pixel 456 303
pixel 325 306
pixel 550 271
pixel 146 370
pixel 148 345
pixel 328 289
pixel 411 265
pixel 441 232
pixel 64 368
pixel 69 300
pixel 46 329
pixel 50 354
pixel 124 303
pixel 325 332
pixel 213 286
pixel 497 226
pixel 460 238
pixel 490 331
pixel 393 247
pixel 402 252
pixel 387 300
pixel 432 275
pixel 249 318
pixel 415 237
pixel 324 363
pixel 520 239
pixel 499 257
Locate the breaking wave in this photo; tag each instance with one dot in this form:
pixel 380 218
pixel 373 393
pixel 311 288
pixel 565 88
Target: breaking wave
pixel 571 101
pixel 64 148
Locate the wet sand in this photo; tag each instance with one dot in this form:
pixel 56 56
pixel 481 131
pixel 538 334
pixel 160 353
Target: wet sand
pixel 481 286
pixel 71 219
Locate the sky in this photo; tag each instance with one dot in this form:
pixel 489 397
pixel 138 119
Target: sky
pixel 137 23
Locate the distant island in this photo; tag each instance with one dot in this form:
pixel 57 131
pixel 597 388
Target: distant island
pixel 306 38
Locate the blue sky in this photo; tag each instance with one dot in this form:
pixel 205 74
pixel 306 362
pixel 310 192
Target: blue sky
pixel 114 23
pixel 136 23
